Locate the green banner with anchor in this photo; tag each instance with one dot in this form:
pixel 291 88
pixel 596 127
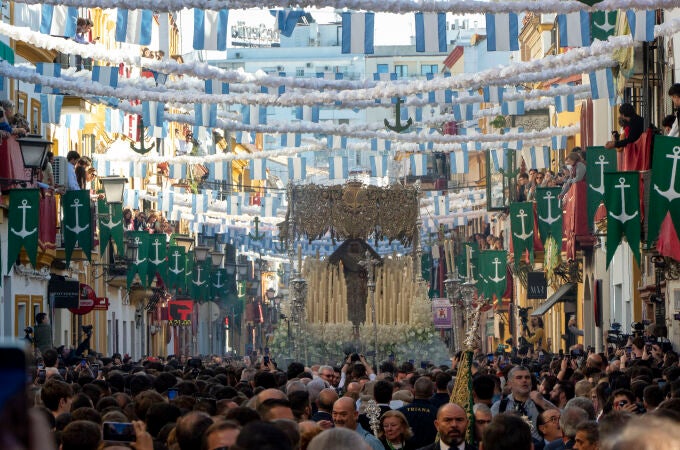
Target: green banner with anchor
pixel 140 264
pixel 176 268
pixel 663 192
pixel 188 272
pixel 522 228
pixel 599 161
pixel 77 215
pixel 219 283
pixel 200 286
pixel 110 226
pixel 23 225
pixel 602 24
pixel 549 214
pixel 158 263
pixel 494 266
pixel 622 200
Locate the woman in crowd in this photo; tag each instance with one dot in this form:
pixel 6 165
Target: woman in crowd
pixel 394 431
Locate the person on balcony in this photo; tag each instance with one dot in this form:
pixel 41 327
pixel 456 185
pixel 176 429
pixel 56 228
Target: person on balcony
pixel 674 93
pixel 634 123
pixel 577 172
pixel 72 157
pixel 11 123
pixel 83 28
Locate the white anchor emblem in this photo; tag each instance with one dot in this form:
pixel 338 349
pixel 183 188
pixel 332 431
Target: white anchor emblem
pixel 24 232
pixel 109 222
pixel 77 229
pixel 496 278
pixel 601 162
pixel 606 27
pixel 198 281
pixel 524 235
pixel 138 261
pixel 157 261
pixel 176 270
pixel 218 285
pixel 624 216
pixel 550 219
pixel 671 194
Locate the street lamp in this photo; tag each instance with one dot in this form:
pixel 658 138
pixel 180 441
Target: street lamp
pixel 216 258
pixel 33 152
pixel 114 187
pixel 201 253
pixel 452 285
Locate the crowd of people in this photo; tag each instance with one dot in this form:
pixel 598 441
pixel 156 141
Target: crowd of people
pixel 151 221
pixel 523 399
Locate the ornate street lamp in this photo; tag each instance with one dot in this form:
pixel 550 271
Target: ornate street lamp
pixel 216 258
pixel 114 187
pixel 33 152
pixel 201 253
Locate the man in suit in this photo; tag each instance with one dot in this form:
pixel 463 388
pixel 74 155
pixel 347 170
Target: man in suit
pixel 451 424
pixel 324 404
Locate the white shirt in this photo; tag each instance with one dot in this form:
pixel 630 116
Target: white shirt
pixel 675 130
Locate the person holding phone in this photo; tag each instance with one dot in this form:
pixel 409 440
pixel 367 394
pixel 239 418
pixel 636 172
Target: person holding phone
pixel 11 124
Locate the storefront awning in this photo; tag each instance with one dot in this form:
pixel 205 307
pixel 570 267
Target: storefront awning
pixel 566 292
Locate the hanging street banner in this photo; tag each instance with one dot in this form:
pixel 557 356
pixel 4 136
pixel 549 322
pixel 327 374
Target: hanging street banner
pixel 200 288
pixel 76 225
pixel 522 228
pixel 140 264
pixel 110 226
pixel 219 283
pixel 469 251
pixel 23 225
pixel 176 269
pixel 188 272
pixel 494 265
pixel 549 214
pixel 158 263
pixel 441 313
pixel 664 192
pixel 599 161
pixel 602 24
pixel 622 200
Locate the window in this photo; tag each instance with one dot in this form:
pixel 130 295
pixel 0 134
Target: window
pixel 21 104
pixel 36 124
pixel 401 70
pixel 428 68
pixel 300 72
pixel 383 68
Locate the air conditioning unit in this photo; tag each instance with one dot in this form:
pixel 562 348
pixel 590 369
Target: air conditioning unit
pixel 327 68
pixel 60 172
pixel 238 55
pixel 279 68
pixel 309 65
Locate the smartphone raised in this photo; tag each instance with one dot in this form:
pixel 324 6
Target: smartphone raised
pixel 118 432
pixel 42 374
pixel 172 393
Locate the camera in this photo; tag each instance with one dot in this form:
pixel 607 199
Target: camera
pixel 28 330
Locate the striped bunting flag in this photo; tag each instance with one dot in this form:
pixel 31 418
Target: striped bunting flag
pixel 565 103
pixel 459 162
pixel 515 144
pixel 219 171
pixel 357 32
pixel 441 205
pixel 137 170
pixel 602 85
pixel 574 29
pixel 493 94
pixel 131 198
pixel 476 145
pixel 51 108
pixel 286 19
pixel 254 114
pixel 338 168
pixel 113 121
pixel 153 113
pixel 258 169
pixel 384 76
pixel 419 164
pixel 642 24
pixel 414 112
pixel 178 171
pixel 199 204
pixel 297 168
pixel 502 32
pixel 58 20
pixel 47 70
pixel 106 75
pixel 291 140
pixel 210 29
pixel 431 32
pixel 134 26
pixel 234 204
pixel 205 114
pixel 307 113
pixel 216 87
pixel 558 142
pixel 513 108
pixel 336 142
pixel 328 75
pixel 378 165
pixel 537 157
pixel 497 158
pixel 440 96
pixel 270 206
pixel 378 144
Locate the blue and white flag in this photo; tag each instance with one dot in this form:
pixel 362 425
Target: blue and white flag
pixel 378 165
pixel 47 70
pixel 166 201
pixel 270 206
pixel 205 114
pixel 153 113
pixel 216 87
pixel 502 32
pixel 258 169
pixel 384 76
pixel 515 144
pixel 565 103
pixel 210 29
pixel 297 168
pixel 441 205
pixel 307 113
pixel 459 162
pixel 219 171
pixel 76 121
pixel 602 85
pixel 414 112
pixel 497 158
pixel 574 29
pixel 463 112
pixel 338 168
pixel 331 76
pixel 559 142
pixel 513 108
pixel 431 32
pixel 178 171
pixel 379 144
pixel 286 19
pixel 51 108
pixel 131 198
pixel 254 114
pixel 641 24
pixel 59 20
pixel 199 203
pixel 336 142
pixel 134 26
pixel 234 204
pixel 102 167
pixel 357 32
pixel 113 120
pixel 537 157
pixel 419 164
pixel 106 75
pixel 137 170
pixel 476 145
pixel 439 96
pixel 291 140
pixel 493 94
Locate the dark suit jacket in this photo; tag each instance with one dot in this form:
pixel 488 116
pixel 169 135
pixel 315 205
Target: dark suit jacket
pixel 321 415
pixel 559 444
pixel 436 446
pixel 636 127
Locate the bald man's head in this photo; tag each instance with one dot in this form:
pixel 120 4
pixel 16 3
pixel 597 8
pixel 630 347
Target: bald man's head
pixel 269 394
pixel 345 414
pixel 326 399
